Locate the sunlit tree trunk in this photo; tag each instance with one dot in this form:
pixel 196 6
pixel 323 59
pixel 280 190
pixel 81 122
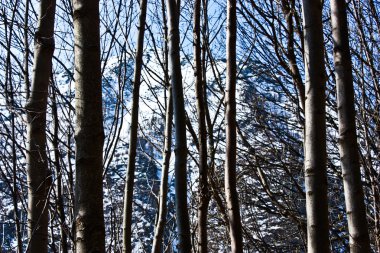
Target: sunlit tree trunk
pixel 182 216
pixel 89 133
pixel 130 178
pixel 37 168
pixel 162 201
pixel 230 163
pixel 315 130
pixel 348 147
pixel 162 208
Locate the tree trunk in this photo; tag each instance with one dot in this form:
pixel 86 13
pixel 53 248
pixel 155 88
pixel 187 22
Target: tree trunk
pixel 288 8
pixel 89 133
pixel 183 224
pixel 159 230
pixel 59 188
pixel 130 178
pixel 26 48
pixel 162 201
pixel 37 169
pixel 315 130
pixel 202 133
pixel 230 103
pixel 348 147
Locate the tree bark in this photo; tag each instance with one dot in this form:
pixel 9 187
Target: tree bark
pixel 162 201
pixel 183 224
pixel 26 48
pixel 37 168
pixel 130 178
pixel 159 230
pixel 288 8
pixel 348 146
pixel 315 130
pixel 230 104
pixel 58 168
pixel 202 133
pixel 89 133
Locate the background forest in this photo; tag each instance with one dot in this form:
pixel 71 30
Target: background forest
pixel 139 161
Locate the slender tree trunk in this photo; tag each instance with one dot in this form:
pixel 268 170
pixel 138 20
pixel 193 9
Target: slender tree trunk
pixel 183 224
pixel 159 230
pixel 128 192
pixel 15 193
pixel 202 133
pixel 26 48
pixel 57 164
pixel 288 8
pixel 10 102
pixel 315 130
pixel 230 103
pixel 37 168
pixel 162 202
pixel 27 90
pixel 70 172
pixel 349 150
pixel 214 190
pixel 89 133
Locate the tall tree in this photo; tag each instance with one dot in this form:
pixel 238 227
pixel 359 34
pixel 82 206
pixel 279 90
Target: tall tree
pixel 230 104
pixel 183 224
pixel 37 168
pixel 162 201
pixel 202 132
pixel 315 129
pixel 59 172
pixel 348 146
pixel 162 208
pixel 89 133
pixel 128 192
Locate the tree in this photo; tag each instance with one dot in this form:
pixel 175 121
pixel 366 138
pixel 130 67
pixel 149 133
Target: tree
pixel 288 7
pixel 128 192
pixel 37 164
pixel 203 192
pixel 349 150
pixel 183 226
pixel 270 123
pixel 230 114
pixel 58 168
pixel 162 202
pixel 167 149
pixel 89 135
pixel 315 130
